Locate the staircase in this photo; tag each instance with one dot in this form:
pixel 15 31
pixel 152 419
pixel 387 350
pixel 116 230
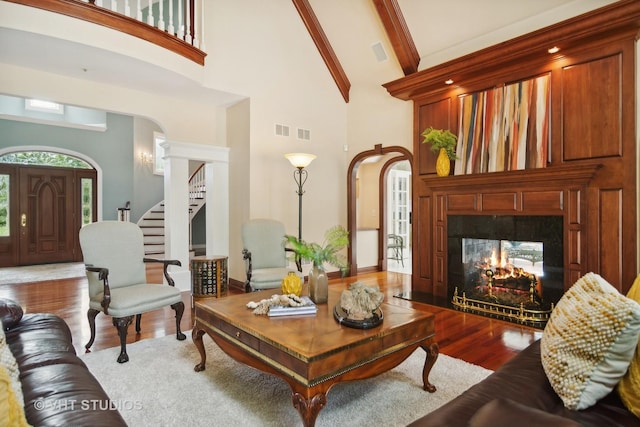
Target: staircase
pixel 152 222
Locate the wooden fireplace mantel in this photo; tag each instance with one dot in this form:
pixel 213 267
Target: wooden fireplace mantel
pixel 575 174
pixel 531 192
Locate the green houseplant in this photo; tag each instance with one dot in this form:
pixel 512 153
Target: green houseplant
pixel 444 143
pixel 335 239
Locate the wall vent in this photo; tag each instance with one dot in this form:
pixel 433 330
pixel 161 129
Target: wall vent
pixel 379 52
pixel 304 134
pixel 282 130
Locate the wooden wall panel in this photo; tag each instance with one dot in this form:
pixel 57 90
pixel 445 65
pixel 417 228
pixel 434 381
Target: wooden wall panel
pixel 592 94
pixel 533 201
pixel 438 115
pixel 610 238
pixel 422 258
pixel 593 125
pixel 500 202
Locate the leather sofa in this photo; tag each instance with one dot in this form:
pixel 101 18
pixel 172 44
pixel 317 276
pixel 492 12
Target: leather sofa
pixel 57 386
pixel 518 393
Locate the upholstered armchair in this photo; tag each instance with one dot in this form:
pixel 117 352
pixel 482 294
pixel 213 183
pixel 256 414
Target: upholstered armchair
pixel 113 254
pixel 265 254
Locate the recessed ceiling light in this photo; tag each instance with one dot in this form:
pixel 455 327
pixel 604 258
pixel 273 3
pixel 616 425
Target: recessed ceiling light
pixel 449 81
pixel 553 49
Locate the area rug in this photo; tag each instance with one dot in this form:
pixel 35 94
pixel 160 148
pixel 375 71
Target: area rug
pixel 158 387
pixel 38 273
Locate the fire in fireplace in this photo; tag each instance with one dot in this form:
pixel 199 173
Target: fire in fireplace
pixel 506 266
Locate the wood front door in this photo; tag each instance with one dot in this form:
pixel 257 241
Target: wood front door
pixel 45 215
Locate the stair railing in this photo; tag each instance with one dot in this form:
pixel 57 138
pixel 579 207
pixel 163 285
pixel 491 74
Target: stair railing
pixel 177 25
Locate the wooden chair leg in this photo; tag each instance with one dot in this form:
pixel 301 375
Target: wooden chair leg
pixel 179 309
pixel 91 315
pixel 138 318
pixel 122 324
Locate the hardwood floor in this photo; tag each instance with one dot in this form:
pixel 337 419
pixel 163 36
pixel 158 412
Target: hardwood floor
pixel 475 339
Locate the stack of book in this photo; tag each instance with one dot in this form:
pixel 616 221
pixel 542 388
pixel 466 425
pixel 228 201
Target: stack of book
pixel 308 308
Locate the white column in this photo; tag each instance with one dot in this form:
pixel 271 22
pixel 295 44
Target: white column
pixel 176 213
pixel 217 213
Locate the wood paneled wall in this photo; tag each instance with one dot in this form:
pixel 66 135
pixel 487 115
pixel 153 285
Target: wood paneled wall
pixel 590 177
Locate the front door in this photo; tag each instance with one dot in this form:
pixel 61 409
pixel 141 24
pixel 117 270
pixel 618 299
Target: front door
pixel 46 211
pixel 45 214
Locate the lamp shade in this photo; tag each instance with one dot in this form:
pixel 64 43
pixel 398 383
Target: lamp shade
pixel 300 160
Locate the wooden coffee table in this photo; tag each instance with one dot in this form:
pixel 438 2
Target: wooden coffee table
pixel 314 352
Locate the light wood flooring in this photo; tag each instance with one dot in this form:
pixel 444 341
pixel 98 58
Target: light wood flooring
pixel 473 338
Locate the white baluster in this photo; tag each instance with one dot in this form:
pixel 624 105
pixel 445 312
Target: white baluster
pixel 180 21
pixel 196 16
pixel 171 29
pixel 150 19
pixel 161 15
pixel 187 19
pixel 139 11
pixel 99 3
pixel 202 44
pixel 114 5
pixel 127 8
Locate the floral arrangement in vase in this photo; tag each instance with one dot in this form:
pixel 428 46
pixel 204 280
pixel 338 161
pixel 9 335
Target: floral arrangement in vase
pixel 444 143
pixel 439 138
pixel 335 239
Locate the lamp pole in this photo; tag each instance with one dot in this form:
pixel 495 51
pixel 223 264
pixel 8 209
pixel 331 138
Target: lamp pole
pixel 300 161
pixel 300 177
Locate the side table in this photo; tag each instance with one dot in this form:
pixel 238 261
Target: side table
pixel 209 277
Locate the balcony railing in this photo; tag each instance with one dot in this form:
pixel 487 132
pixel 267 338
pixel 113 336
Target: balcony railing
pixel 176 25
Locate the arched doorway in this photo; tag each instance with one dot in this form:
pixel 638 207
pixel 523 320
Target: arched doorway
pixel 389 156
pixel 45 198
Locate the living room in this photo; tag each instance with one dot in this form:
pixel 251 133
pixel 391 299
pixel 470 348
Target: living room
pixel 267 72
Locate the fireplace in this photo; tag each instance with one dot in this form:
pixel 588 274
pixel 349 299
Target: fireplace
pixel 506 266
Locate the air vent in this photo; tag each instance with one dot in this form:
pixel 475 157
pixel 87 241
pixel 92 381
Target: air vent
pixel 304 134
pixel 379 52
pixel 282 130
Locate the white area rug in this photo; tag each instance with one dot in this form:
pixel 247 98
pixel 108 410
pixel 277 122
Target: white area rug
pixel 158 387
pixel 38 273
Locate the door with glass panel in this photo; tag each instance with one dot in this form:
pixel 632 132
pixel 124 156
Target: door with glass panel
pixel 42 209
pixel 399 207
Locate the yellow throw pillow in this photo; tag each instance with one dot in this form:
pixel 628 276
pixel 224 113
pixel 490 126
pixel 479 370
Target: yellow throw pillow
pixel 8 361
pixel 11 412
pixel 629 386
pixel 589 341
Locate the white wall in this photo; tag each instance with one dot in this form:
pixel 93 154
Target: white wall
pixel 274 62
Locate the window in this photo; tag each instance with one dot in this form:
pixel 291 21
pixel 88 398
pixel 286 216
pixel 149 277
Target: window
pixel 45 158
pixel 158 153
pixel 86 200
pixel 43 106
pixel 4 205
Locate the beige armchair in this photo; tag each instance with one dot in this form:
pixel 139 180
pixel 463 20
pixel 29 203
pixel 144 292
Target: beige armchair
pixel 113 254
pixel 265 254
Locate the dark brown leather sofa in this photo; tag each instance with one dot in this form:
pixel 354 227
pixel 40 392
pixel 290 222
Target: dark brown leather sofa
pixel 58 388
pixel 519 394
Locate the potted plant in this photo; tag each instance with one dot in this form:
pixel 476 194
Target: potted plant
pixel 444 143
pixel 335 239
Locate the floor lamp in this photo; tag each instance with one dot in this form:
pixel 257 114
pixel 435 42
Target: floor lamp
pixel 300 161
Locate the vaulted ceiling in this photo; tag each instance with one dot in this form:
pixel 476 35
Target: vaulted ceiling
pixel 352 36
pixel 418 34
